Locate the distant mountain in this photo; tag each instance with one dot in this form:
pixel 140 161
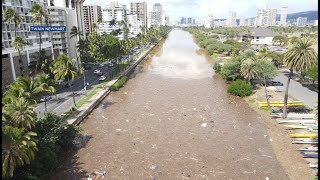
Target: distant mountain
pixel 311 15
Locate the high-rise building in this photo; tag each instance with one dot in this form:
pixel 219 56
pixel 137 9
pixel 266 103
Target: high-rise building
pixel 242 22
pixel 114 13
pixel 167 21
pixel 266 17
pixel 232 19
pixel 135 26
pixel 157 15
pixel 220 23
pixel 301 21
pixel 272 17
pixel 91 15
pixel 208 22
pixel 12 66
pixel 315 23
pixel 183 20
pixel 283 16
pixel 189 21
pixel 140 9
pixel 70 14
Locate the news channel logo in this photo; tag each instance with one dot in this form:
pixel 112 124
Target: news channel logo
pixel 48 28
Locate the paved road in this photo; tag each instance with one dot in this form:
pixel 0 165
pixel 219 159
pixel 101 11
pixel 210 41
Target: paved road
pixel 296 90
pixel 64 101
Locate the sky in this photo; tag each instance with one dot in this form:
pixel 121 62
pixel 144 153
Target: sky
pixel 199 9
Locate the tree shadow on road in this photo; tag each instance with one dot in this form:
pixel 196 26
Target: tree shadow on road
pixel 311 87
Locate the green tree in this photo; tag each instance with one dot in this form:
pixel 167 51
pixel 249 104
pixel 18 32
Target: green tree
pixel 279 39
pixel 39 15
pixel 47 86
pixel 248 70
pixel 63 68
pixel 31 88
pixel 21 113
pixel 301 57
pixel 313 73
pixel 12 16
pixel 75 33
pixel 265 70
pixel 231 69
pixel 18 44
pixel 18 148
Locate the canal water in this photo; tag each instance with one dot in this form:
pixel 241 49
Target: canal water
pixel 174 119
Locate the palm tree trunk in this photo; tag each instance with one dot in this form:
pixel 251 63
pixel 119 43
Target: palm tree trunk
pixel 74 100
pixel 21 61
pixel 286 95
pixel 39 50
pixel 266 92
pixel 45 103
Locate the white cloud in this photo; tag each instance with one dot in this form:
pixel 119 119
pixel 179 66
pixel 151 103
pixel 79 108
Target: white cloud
pixel 219 8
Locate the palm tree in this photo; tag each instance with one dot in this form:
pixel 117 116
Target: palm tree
pixel 47 86
pixel 248 70
pixel 300 58
pixel 21 113
pixel 74 32
pixel 30 88
pixel 18 44
pixel 39 15
pixel 12 16
pixel 18 148
pixel 62 68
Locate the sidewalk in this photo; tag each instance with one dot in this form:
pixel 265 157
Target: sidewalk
pixel 86 108
pixel 296 90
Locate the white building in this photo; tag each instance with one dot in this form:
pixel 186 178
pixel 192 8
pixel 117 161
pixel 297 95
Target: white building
pixel 301 21
pixel 141 10
pixel 60 40
pixel 209 21
pixel 134 25
pixel 258 36
pixel 220 23
pixel 91 16
pixel 242 22
pixel 12 67
pixel 157 17
pixel 232 19
pixel 167 21
pixel 315 23
pixel 283 16
pixel 69 13
pixel 266 17
pixel 114 12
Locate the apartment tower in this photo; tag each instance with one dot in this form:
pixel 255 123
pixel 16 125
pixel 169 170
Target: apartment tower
pixel 140 9
pixel 91 15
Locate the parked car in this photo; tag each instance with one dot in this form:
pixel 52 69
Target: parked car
pixel 69 85
pixel 276 83
pixel 110 64
pixel 99 73
pixel 102 78
pixel 96 71
pixel 101 65
pixel 45 98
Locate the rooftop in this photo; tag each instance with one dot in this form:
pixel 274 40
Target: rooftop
pixel 261 31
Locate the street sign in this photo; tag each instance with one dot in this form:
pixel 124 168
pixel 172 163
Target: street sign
pixel 48 28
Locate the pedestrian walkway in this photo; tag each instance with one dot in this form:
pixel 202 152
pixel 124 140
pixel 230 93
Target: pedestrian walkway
pixel 296 90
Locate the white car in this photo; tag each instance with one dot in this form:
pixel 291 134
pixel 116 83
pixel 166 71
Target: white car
pixel 102 78
pixel 97 71
pixel 101 65
pixel 110 65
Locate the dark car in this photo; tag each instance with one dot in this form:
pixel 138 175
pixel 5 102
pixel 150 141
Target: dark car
pixel 45 98
pixel 276 83
pixel 68 85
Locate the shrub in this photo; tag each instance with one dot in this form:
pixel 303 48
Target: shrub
pixel 119 83
pixel 240 88
pixel 217 67
pixel 231 69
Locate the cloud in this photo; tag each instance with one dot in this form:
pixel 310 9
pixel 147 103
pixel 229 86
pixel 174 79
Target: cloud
pixel 219 8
